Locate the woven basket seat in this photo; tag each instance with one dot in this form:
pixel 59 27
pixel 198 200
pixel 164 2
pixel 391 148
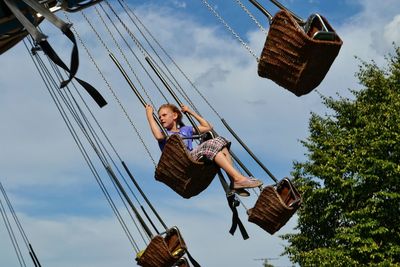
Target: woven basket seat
pixel 163 251
pixel 293 59
pixel 275 206
pixel 180 172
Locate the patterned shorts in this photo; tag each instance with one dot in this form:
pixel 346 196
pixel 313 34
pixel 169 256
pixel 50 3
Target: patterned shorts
pixel 209 149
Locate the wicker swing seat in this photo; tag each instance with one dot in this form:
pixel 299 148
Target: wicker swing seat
pixel 296 59
pixel 275 206
pixel 163 251
pixel 180 172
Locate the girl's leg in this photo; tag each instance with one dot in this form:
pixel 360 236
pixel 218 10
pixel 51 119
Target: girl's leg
pixel 225 151
pixel 226 164
pixel 224 160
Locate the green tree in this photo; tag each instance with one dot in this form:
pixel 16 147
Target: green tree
pixel 267 264
pixel 351 179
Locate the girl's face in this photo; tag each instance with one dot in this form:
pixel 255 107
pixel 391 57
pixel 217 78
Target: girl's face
pixel 167 118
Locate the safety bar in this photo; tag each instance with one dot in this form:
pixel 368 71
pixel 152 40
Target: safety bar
pixel 79 7
pixel 269 16
pixel 198 136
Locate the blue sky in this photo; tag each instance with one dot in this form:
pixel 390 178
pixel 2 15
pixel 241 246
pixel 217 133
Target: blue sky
pixel 56 197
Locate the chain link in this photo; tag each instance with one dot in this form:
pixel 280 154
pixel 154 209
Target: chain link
pixel 123 55
pixel 244 44
pixel 105 80
pixel 251 16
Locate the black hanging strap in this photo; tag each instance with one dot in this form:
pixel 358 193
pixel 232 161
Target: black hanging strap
pixel 235 218
pixel 64 27
pixel 233 203
pixel 92 92
pixel 40 39
pixel 192 260
pixel 49 51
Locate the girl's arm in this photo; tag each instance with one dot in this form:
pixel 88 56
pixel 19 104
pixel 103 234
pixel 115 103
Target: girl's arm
pixel 204 126
pixel 153 124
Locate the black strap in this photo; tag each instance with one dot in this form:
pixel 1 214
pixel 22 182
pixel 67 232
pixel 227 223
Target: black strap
pixel 233 203
pixel 192 260
pixel 64 27
pixel 40 39
pixel 92 92
pixel 235 218
pixel 49 51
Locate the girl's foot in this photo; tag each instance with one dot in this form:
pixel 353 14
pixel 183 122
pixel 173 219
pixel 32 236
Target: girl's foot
pixel 248 183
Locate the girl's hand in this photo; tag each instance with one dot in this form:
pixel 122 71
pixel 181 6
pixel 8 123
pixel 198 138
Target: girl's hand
pixel 185 109
pixel 149 110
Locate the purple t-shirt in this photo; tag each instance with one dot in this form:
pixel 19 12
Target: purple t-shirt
pixel 184 131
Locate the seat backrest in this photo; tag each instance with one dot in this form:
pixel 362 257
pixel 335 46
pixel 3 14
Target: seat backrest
pixel 316 28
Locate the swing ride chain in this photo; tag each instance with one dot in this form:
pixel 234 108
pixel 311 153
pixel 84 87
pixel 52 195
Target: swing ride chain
pixel 230 29
pixel 134 54
pixel 123 55
pixel 138 44
pixel 107 83
pixel 126 7
pixel 175 83
pixel 146 54
pixel 43 71
pixel 251 16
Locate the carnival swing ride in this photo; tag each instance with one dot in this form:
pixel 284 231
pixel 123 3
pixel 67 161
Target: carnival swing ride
pixel 297 55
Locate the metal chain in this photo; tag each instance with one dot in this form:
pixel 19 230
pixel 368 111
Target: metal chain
pixel 145 53
pixel 172 60
pixel 244 44
pixel 124 56
pixel 137 43
pixel 107 83
pixel 251 16
pixel 175 83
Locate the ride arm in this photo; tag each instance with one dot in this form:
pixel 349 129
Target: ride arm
pixel 153 124
pixel 204 125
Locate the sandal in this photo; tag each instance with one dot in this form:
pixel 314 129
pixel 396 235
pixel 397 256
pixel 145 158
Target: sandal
pixel 241 192
pixel 249 183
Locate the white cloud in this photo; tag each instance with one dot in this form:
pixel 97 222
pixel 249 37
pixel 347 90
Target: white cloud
pixel 392 31
pixel 179 4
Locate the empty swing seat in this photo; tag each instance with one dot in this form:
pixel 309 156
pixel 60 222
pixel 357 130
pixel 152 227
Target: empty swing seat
pixel 180 172
pixel 296 59
pixel 275 206
pixel 163 251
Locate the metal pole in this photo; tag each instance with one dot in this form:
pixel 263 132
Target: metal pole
pixel 122 190
pixel 249 151
pixel 33 256
pixel 144 196
pixel 262 9
pixel 135 90
pixel 170 91
pixel 300 20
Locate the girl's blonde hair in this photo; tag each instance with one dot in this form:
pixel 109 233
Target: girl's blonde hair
pixel 174 109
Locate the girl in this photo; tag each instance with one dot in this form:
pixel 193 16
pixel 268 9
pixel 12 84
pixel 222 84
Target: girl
pixel 215 149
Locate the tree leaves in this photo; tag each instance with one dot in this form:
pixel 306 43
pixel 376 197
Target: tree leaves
pixel 351 180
